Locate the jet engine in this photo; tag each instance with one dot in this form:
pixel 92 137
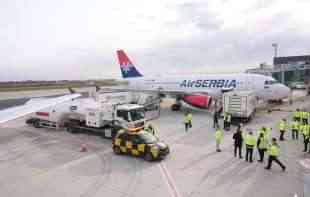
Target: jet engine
pixel 198 101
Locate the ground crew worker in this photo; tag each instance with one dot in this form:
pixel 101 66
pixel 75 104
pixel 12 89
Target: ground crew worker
pixel 238 140
pixel 273 151
pixel 282 128
pixel 228 121
pixel 188 120
pixel 296 115
pixel 265 131
pixel 250 143
pixel 262 145
pixel 225 120
pixel 304 116
pixel 215 119
pixel 306 133
pixel 150 129
pixel 295 129
pixel 218 138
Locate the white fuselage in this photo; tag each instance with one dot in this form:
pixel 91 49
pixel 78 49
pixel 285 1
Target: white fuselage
pixel 265 87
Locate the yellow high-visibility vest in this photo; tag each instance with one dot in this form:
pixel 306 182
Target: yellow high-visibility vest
pixel 263 143
pixel 250 140
pixel 282 125
pixel 296 114
pixel 305 114
pixel 274 150
pixel 218 135
pixel 295 125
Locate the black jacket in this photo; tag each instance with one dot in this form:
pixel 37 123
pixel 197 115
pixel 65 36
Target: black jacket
pixel 238 138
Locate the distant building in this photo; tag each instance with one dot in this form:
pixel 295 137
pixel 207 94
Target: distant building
pixel 263 69
pixel 291 69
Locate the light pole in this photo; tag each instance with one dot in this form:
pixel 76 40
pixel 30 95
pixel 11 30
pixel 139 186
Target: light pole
pixel 275 46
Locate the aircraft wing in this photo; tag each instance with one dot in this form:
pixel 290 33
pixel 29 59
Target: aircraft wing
pixel 19 111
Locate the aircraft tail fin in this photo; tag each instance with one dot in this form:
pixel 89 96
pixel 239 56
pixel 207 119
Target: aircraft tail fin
pixel 127 68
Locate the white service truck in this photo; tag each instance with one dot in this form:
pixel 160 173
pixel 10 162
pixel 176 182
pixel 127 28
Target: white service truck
pixel 104 114
pixel 240 104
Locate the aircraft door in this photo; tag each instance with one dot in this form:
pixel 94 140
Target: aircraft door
pixel 249 83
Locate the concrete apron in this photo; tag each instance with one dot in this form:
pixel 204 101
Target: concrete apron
pixel 305 166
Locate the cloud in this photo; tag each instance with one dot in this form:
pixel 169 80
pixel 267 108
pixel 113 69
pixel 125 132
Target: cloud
pixel 77 39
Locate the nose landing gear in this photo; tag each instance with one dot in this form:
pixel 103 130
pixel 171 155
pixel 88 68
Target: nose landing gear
pixel 176 107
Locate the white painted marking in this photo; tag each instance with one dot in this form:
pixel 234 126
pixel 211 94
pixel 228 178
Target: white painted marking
pixel 305 163
pixel 169 180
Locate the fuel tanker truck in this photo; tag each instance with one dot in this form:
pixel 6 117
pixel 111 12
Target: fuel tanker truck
pixel 103 115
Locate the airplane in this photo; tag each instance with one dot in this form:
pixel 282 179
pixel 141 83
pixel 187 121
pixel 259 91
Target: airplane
pixel 197 91
pixel 19 111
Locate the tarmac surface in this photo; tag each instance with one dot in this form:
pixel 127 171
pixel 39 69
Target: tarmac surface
pixel 45 162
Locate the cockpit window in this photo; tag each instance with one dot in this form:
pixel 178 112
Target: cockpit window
pixel 271 82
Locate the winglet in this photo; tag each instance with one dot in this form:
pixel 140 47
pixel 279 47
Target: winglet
pixel 97 88
pixel 71 90
pixel 127 68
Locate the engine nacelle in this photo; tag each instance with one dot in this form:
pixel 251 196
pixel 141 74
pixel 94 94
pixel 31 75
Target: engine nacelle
pixel 200 101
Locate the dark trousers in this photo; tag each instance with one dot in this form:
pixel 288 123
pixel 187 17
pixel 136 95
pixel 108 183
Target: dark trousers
pixel 281 135
pixel 239 148
pixel 295 134
pixel 226 125
pixel 249 153
pixel 187 126
pixel 274 158
pixel 215 122
pixel 261 154
pixel 306 142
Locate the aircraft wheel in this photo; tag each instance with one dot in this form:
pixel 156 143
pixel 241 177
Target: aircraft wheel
pixel 36 124
pixel 175 107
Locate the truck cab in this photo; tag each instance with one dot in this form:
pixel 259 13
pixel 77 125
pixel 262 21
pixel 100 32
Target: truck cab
pixel 130 116
pixel 126 116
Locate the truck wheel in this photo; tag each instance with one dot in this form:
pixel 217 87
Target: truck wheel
pixel 117 150
pixel 107 133
pixel 148 156
pixel 36 124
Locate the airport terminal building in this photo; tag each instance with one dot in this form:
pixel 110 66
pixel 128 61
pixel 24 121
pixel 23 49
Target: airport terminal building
pixel 287 69
pixel 291 69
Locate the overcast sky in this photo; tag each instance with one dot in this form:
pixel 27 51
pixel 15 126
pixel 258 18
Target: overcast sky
pixel 77 39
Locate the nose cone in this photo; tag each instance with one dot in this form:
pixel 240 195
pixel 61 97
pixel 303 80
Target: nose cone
pixel 284 91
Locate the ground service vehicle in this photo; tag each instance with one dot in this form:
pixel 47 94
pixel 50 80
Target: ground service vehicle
pixel 104 117
pixel 240 104
pixel 142 144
